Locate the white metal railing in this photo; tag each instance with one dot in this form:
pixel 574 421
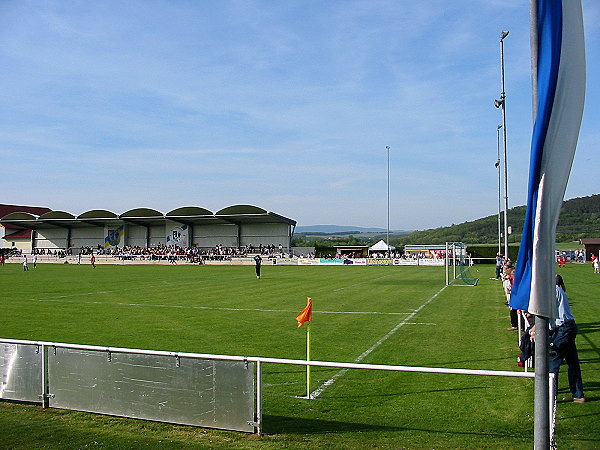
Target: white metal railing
pixel 264 360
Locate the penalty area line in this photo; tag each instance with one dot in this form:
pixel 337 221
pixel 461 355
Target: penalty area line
pixel 317 392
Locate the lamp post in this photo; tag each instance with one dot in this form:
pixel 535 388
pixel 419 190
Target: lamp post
pixel 387 147
pixel 497 165
pixel 502 104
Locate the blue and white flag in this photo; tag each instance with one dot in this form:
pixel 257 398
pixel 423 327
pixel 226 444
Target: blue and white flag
pixel 561 94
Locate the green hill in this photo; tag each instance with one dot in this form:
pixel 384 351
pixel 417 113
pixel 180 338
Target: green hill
pixel 579 218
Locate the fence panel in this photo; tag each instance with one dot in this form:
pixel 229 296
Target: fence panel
pixel 207 393
pixel 20 372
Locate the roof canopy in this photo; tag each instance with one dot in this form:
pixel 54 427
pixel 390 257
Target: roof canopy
pixel 187 211
pixel 15 216
pixel 241 209
pixel 190 215
pixel 97 214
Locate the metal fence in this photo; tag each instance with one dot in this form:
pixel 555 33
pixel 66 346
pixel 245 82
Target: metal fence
pixel 180 388
pixel 214 391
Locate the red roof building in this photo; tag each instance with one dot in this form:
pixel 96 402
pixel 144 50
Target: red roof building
pixel 13 233
pixel 591 246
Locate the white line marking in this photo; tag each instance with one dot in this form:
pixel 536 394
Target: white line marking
pixel 363 312
pixel 314 394
pixel 60 299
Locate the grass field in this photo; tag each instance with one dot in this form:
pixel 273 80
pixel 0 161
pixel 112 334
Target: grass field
pixel 226 310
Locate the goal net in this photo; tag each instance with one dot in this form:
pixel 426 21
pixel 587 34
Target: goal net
pixel 458 265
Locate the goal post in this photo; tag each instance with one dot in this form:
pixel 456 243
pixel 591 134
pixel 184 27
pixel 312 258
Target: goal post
pixel 458 264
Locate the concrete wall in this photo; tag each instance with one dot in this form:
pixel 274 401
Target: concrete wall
pixel 208 236
pixel 135 235
pixel 265 234
pixel 53 238
pixel 87 237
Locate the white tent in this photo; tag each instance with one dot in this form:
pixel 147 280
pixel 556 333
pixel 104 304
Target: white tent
pixel 381 246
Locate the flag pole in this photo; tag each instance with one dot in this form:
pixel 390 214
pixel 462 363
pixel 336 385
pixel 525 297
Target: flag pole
pixel 541 417
pixel 308 327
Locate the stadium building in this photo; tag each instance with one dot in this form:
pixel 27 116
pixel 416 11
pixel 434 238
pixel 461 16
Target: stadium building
pixel 235 226
pixel 14 236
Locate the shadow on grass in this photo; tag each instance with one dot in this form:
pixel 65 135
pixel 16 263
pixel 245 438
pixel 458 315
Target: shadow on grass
pixel 397 394
pixel 296 425
pixel 583 331
pixel 587 328
pixel 589 386
pixel 577 416
pixel 455 362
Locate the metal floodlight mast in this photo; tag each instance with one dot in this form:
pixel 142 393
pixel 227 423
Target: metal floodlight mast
pixel 497 165
pixel 387 147
pixel 502 104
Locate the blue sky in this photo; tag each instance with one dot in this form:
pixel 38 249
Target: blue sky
pixel 287 105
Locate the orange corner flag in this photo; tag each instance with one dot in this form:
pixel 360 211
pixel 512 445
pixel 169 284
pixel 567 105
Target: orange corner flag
pixel 306 314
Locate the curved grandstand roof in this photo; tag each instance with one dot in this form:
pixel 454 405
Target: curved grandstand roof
pixel 57 215
pixel 57 218
pixel 97 214
pixel 19 219
pixel 20 216
pixel 236 214
pixel 251 214
pixel 189 211
pixel 141 212
pixel 241 209
pixel 98 218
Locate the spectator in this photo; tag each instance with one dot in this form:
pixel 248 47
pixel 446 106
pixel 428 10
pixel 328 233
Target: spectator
pixel 499 264
pixel 507 282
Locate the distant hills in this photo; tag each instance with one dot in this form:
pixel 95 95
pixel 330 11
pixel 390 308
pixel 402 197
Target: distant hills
pixel 339 229
pixel 579 218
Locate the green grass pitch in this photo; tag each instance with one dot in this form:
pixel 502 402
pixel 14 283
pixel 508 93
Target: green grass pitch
pixel 226 310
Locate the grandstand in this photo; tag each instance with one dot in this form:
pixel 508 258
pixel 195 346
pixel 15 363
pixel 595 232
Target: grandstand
pixel 234 226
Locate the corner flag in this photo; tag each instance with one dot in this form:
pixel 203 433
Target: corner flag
pixel 306 314
pixel 561 94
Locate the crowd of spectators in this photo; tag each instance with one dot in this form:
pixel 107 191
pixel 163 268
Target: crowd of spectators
pixel 426 255
pixel 216 253
pixel 59 253
pixel 506 272
pixel 170 253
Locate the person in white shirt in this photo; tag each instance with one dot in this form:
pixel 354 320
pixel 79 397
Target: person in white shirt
pixel 562 342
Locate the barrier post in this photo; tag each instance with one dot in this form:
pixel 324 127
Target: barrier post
pixel 552 404
pixel 258 419
pixel 44 368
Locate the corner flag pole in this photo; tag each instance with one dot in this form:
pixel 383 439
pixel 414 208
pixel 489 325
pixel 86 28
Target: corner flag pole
pixel 306 316
pixel 308 327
